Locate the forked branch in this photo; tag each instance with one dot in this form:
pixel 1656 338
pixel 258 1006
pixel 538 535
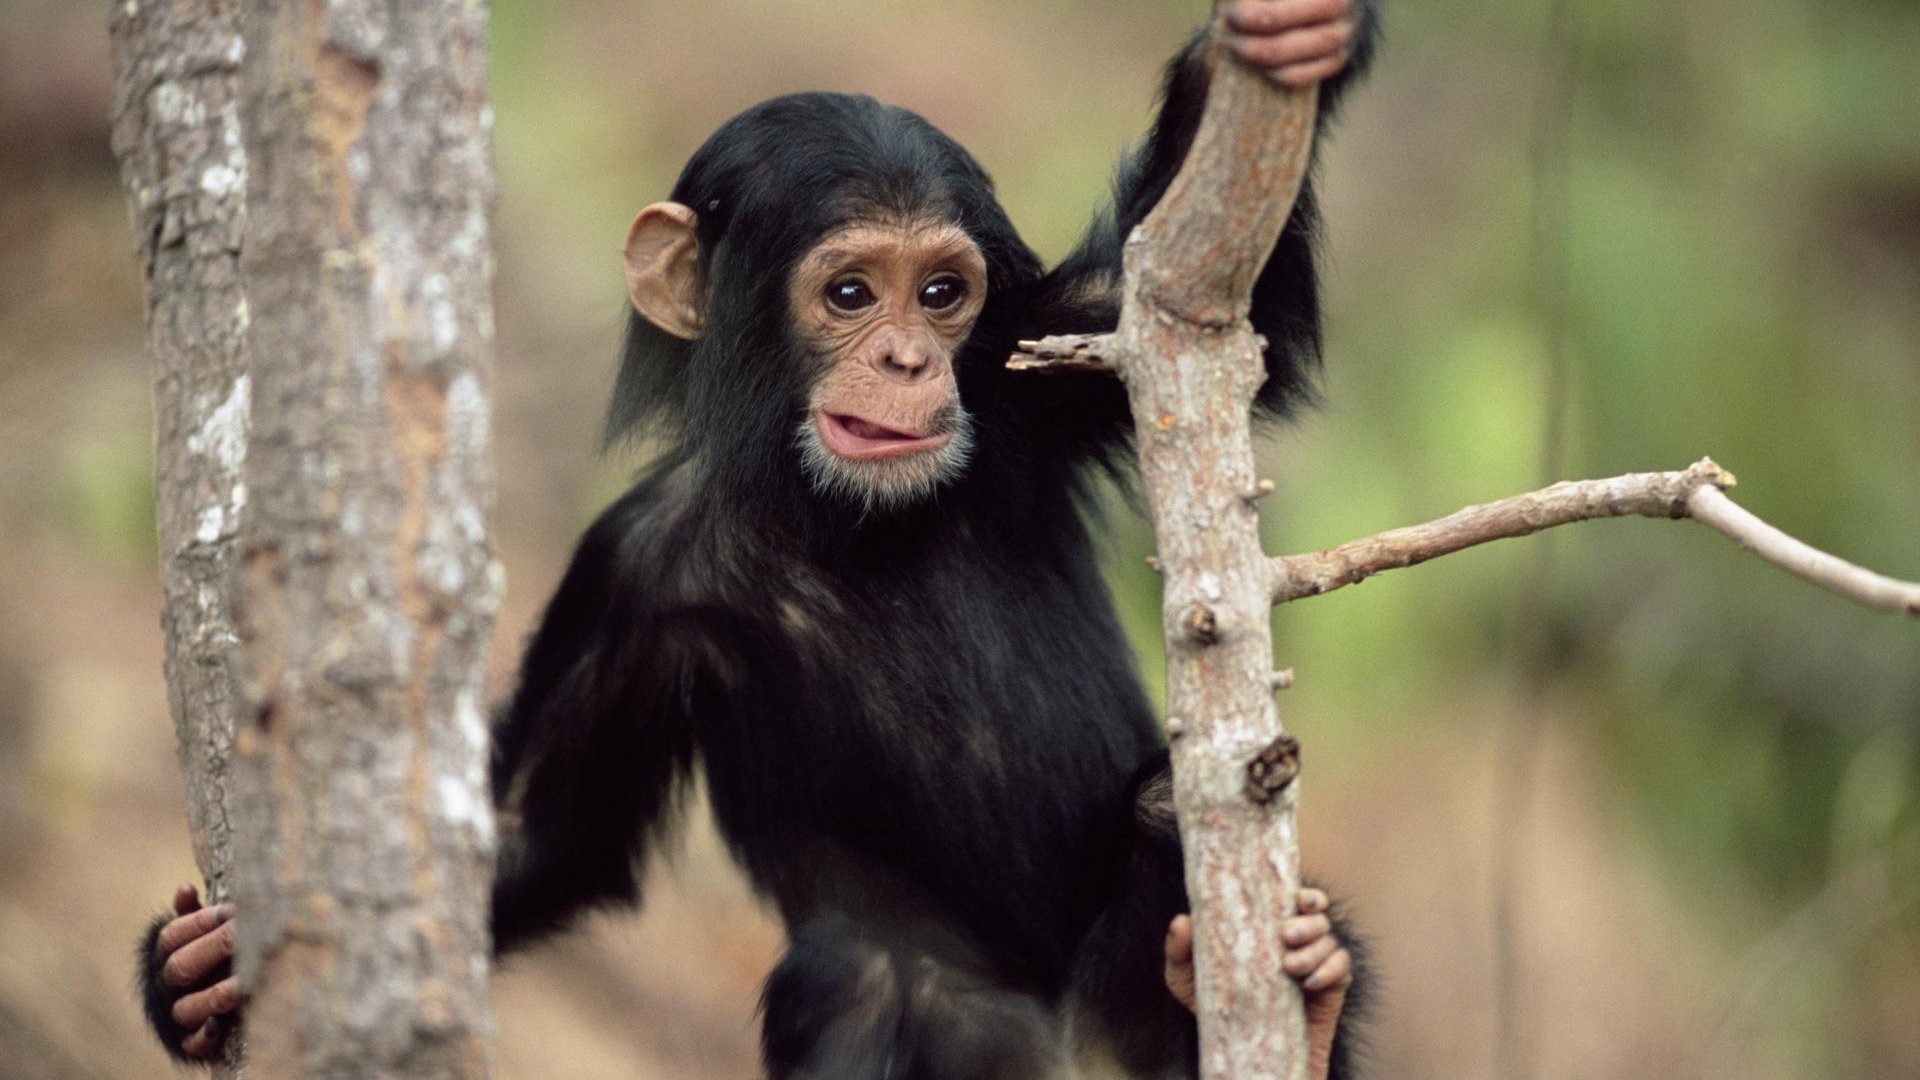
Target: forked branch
pixel 1191 363
pixel 1698 492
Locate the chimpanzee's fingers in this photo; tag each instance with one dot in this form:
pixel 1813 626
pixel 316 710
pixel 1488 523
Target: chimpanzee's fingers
pixel 1334 971
pixel 1306 960
pixel 1180 940
pixel 1179 966
pixel 1304 929
pixel 1298 75
pixel 204 1040
pixel 186 899
pixel 192 963
pixel 1273 16
pixel 1311 901
pixel 191 927
pixel 194 1010
pixel 1305 45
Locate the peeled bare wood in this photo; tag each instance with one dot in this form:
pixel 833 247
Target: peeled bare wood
pixel 364 858
pixel 1697 492
pixel 1710 506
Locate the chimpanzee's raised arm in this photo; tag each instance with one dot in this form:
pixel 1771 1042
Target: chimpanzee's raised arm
pixel 1296 42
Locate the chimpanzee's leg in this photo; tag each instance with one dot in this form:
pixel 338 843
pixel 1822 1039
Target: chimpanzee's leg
pixel 843 1005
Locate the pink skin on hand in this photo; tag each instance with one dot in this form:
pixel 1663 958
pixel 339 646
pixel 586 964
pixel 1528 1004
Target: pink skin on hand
pixel 1295 42
pixel 196 943
pixel 1314 957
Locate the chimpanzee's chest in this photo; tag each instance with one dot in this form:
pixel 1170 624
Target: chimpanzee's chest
pixel 968 729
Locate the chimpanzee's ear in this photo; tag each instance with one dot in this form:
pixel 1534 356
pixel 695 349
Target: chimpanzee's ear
pixel 662 256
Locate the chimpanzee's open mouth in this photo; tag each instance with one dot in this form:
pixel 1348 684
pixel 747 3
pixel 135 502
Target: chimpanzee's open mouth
pixel 860 439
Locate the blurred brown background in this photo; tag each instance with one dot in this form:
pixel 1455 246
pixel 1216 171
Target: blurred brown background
pixel 1706 784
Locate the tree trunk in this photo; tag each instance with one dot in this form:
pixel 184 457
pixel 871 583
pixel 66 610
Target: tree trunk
pixel 176 131
pixel 357 768
pixel 368 591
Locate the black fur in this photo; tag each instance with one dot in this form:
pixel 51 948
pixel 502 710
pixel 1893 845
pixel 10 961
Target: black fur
pixel 920 729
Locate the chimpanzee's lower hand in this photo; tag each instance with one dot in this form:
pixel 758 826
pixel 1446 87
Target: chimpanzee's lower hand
pixel 1315 957
pixel 186 972
pixel 1319 960
pixel 1296 42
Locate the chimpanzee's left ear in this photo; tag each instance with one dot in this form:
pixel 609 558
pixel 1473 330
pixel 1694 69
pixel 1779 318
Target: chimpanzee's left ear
pixel 662 257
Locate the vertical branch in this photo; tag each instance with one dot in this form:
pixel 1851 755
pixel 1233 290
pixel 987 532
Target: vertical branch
pixel 176 132
pixel 1192 365
pixel 368 587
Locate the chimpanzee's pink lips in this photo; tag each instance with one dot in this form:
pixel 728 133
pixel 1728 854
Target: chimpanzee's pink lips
pixel 863 440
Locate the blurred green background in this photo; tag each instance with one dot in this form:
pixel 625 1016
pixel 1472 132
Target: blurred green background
pixel 1671 830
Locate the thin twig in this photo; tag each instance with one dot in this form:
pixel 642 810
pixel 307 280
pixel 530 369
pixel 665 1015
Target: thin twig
pixel 1710 506
pixel 1698 492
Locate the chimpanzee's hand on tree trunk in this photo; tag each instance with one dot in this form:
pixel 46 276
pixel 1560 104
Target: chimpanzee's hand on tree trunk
pixel 1315 957
pixel 186 976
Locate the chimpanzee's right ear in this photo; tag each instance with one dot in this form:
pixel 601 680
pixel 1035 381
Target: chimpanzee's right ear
pixel 662 257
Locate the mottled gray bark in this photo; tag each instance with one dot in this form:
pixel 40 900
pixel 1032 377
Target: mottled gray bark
pixel 365 587
pixel 176 131
pixel 363 864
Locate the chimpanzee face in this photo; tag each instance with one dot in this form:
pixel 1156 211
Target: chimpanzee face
pixel 884 307
pixel 880 307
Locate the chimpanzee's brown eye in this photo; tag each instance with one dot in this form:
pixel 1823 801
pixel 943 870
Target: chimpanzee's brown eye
pixel 942 293
pixel 849 295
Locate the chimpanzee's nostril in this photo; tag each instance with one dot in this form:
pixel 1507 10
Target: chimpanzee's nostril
pixel 906 363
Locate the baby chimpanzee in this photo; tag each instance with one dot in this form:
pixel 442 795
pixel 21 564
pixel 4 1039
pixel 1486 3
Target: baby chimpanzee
pixel 858 591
